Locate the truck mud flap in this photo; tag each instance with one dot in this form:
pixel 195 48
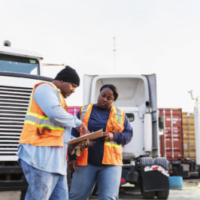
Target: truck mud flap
pixel 154 180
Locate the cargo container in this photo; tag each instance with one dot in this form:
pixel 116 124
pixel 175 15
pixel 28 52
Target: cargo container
pixel 171 145
pixel 188 136
pixel 189 141
pixel 178 145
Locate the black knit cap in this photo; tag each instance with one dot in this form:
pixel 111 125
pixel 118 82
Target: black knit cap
pixel 68 74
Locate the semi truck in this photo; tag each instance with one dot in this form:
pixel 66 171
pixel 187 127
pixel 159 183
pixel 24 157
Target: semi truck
pixel 20 70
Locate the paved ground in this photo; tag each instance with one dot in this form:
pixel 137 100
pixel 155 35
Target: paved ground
pixel 190 192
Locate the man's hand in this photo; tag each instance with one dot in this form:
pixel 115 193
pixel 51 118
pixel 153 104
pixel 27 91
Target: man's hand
pixel 83 129
pixel 108 136
pixel 73 165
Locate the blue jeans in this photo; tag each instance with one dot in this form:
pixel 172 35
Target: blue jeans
pixel 107 178
pixel 44 185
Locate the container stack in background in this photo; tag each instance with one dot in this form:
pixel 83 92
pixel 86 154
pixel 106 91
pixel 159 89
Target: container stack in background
pixel 171 142
pixel 177 143
pixel 188 136
pixel 189 140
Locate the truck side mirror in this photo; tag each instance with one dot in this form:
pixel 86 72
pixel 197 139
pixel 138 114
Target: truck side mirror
pixel 160 120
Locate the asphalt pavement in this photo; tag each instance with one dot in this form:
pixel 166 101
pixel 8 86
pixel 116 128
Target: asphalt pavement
pixel 190 191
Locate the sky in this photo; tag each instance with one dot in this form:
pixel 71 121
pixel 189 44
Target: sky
pixel 152 36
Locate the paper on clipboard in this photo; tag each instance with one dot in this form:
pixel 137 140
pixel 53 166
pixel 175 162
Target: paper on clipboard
pixel 90 136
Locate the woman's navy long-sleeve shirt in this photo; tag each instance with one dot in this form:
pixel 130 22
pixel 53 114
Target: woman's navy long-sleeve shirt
pixel 98 120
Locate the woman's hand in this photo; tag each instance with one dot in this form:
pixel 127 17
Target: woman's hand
pixel 84 145
pixel 73 165
pixel 108 136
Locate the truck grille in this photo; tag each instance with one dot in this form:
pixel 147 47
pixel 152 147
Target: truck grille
pixel 13 106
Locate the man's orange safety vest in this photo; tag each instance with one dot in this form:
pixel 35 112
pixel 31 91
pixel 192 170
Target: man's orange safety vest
pixel 112 151
pixel 38 130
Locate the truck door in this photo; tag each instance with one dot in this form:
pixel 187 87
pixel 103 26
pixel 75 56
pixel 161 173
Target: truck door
pixel 153 106
pixel 133 95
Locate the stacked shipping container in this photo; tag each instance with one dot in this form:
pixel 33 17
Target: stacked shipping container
pixel 188 136
pixel 177 143
pixel 171 142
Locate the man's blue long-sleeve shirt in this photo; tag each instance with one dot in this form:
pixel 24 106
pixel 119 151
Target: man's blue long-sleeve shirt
pixel 98 120
pixel 50 159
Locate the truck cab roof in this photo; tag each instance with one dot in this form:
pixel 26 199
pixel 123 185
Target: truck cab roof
pixel 19 52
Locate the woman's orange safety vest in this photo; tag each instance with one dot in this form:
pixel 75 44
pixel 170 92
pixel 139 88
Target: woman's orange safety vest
pixel 112 151
pixel 38 130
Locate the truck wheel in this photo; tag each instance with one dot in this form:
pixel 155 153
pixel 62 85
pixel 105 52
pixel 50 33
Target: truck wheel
pixel 162 162
pixel 163 194
pixel 148 195
pixel 146 161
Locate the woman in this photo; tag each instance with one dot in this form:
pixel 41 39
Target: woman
pixel 101 163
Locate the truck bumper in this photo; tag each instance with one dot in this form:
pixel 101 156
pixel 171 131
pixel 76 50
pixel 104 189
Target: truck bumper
pixel 11 183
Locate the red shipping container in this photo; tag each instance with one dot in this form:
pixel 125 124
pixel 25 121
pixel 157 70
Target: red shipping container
pixel 171 142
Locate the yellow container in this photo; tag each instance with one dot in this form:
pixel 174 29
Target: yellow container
pixel 188 136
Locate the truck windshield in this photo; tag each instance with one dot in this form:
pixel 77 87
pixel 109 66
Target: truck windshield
pixel 18 64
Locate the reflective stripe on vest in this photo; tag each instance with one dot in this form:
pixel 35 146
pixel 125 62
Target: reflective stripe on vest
pixel 118 117
pixel 113 143
pixel 112 154
pixel 58 92
pixel 40 121
pixel 38 130
pixel 118 113
pixel 84 109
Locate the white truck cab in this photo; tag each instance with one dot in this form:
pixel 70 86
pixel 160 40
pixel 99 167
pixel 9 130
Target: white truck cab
pixel 19 72
pixel 19 61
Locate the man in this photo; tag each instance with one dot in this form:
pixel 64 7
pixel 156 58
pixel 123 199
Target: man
pixel 43 142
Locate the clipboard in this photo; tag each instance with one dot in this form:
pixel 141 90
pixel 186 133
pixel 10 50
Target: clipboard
pixel 90 136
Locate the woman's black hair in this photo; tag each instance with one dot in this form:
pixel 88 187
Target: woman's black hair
pixel 113 88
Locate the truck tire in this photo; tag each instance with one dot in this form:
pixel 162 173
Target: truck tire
pixel 148 195
pixel 146 161
pixel 162 162
pixel 163 194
